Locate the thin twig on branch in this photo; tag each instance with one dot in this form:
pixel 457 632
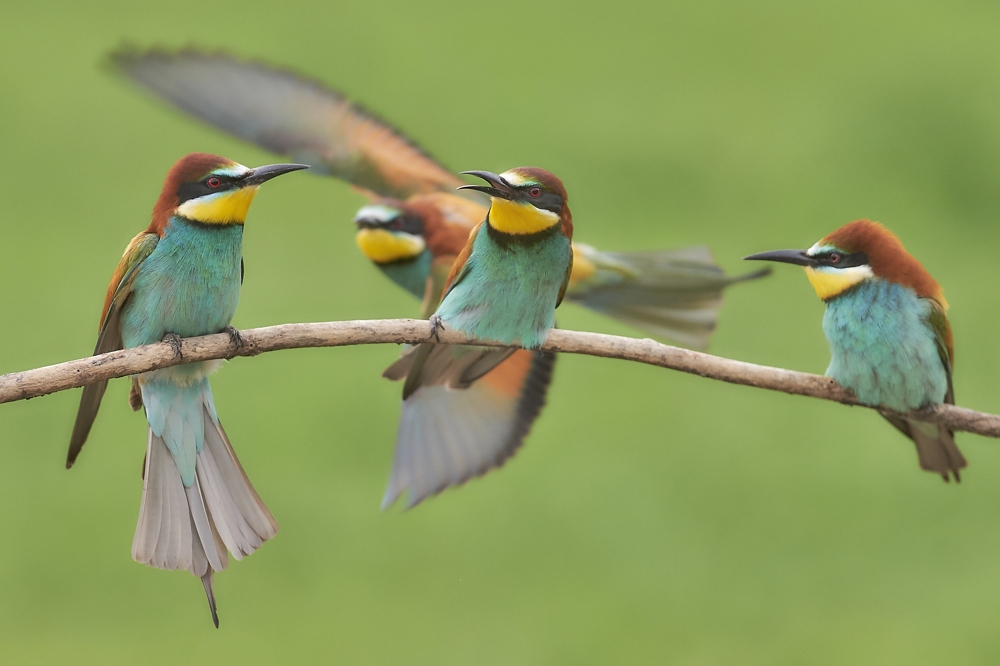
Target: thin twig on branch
pixel 73 374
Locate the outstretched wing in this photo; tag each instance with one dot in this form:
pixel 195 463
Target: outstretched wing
pixel 288 114
pixel 110 337
pixel 448 436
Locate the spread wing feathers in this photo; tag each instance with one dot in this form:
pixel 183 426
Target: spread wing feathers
pixel 936 448
pixel 675 294
pixel 288 114
pixel 192 527
pixel 110 337
pixel 450 366
pixel 447 437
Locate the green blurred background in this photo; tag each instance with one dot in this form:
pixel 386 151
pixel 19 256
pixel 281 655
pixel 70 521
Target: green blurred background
pixel 652 517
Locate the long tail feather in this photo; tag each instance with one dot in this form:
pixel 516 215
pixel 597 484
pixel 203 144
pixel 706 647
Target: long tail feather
pixel 192 527
pixel 675 294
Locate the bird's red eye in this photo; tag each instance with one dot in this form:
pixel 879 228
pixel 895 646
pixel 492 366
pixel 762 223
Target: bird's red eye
pixel 213 182
pixel 834 257
pixel 535 192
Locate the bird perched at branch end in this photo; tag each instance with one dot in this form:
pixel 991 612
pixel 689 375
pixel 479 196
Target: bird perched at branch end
pixel 890 340
pixel 181 277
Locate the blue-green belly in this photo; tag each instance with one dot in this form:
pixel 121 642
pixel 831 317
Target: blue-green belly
pixel 883 348
pixel 509 292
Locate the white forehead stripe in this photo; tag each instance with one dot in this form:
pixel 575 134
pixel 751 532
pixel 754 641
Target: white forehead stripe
pixel 377 212
pixel 819 249
pixel 235 171
pixel 516 179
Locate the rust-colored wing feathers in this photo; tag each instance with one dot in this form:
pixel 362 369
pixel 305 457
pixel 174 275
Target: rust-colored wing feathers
pixel 288 114
pixel 110 337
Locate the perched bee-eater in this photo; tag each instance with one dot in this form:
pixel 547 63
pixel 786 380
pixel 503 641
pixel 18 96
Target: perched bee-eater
pixel 414 229
pixel 504 286
pixel 890 341
pixel 181 277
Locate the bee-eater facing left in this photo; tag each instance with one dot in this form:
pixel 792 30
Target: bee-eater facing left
pixel 890 341
pixel 181 277
pixel 504 286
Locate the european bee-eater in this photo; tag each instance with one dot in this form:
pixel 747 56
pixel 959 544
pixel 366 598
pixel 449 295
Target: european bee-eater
pixel 890 341
pixel 181 277
pixel 413 230
pixel 416 224
pixel 504 286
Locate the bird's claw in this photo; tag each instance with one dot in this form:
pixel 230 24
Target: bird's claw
pixel 234 336
pixel 174 341
pixel 437 325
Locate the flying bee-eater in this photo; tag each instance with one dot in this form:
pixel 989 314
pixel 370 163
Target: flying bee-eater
pixel 181 277
pixel 504 286
pixel 413 230
pixel 890 340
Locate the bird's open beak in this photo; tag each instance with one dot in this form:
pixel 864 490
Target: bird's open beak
pixel 266 173
pixel 797 257
pixel 497 187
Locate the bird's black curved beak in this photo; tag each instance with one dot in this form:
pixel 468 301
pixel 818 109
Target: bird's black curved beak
pixel 497 187
pixel 797 257
pixel 265 173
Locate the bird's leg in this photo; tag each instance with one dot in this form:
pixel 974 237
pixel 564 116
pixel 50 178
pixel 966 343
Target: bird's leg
pixel 174 341
pixel 234 336
pixel 437 324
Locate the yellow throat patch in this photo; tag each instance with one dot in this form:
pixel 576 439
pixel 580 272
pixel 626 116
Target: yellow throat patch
pixel 385 247
pixel 828 285
pixel 516 218
pixel 228 207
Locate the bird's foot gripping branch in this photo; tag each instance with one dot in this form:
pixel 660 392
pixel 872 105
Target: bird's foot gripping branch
pixel 74 374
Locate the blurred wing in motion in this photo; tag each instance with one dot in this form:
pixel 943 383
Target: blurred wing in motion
pixel 285 113
pixel 448 436
pixel 675 294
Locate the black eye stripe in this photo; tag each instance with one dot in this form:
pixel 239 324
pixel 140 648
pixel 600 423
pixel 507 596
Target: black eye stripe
pixel 188 191
pixel 837 259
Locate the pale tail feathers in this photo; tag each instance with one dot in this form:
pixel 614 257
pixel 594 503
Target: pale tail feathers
pixel 192 528
pixel 448 436
pixel 674 294
pixel 936 448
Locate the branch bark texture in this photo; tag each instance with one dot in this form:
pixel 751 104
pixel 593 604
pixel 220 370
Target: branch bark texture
pixel 74 374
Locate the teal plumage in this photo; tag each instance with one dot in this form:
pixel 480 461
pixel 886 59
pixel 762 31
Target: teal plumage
pixel 508 289
pixel 181 277
pixel 504 286
pixel 410 274
pixel 883 348
pixel 890 340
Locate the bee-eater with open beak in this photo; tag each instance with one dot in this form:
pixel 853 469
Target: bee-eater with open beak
pixel 890 341
pixel 504 286
pixel 416 224
pixel 414 229
pixel 181 277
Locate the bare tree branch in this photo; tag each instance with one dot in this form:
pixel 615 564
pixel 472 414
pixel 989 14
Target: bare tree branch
pixel 73 374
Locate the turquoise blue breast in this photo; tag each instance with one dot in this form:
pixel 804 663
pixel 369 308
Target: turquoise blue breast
pixel 509 289
pixel 883 348
pixel 410 275
pixel 189 284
